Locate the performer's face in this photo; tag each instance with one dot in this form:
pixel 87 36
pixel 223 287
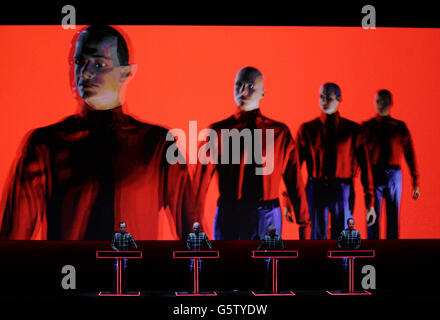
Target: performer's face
pixel 122 228
pixel 382 104
pixel 328 101
pixel 196 228
pixel 248 89
pixel 351 224
pixel 98 74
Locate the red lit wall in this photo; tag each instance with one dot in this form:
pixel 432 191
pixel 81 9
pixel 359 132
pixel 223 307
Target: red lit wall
pixel 187 73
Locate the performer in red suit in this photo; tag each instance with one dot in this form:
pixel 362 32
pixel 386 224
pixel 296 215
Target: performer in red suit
pixel 333 149
pixel 387 139
pixel 248 201
pixel 76 179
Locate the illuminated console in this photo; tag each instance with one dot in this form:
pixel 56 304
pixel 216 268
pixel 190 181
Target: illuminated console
pixel 275 254
pixel 119 255
pixel 196 255
pixel 350 254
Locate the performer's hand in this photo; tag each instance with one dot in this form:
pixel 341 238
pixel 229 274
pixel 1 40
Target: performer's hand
pixel 287 206
pixel 416 193
pixel 288 213
pixel 371 216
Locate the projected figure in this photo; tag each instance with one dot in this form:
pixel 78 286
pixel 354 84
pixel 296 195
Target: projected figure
pixel 121 242
pixel 197 241
pixel 271 241
pixel 387 140
pixel 77 178
pixel 248 201
pixel 333 148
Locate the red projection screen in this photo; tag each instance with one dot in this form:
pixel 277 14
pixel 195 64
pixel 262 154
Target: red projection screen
pixel 186 73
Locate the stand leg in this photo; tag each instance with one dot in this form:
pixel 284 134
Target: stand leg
pixel 120 282
pixel 274 283
pixel 350 282
pixel 274 276
pixel 118 275
pixel 196 282
pixel 350 276
pixel 196 275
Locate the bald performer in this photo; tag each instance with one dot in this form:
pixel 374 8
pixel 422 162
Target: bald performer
pixel 248 202
pixel 333 149
pixel 388 139
pixel 197 241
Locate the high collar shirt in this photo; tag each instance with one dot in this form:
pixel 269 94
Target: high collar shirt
pixel 197 242
pixel 122 241
pixel 334 148
pixel 78 178
pixel 349 239
pixel 387 140
pixel 271 243
pixel 237 179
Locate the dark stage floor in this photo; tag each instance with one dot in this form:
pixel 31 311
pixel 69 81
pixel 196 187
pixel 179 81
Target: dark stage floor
pixel 406 275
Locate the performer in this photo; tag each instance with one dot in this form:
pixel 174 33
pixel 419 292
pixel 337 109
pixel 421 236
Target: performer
pixel 333 148
pixel 387 140
pixel 197 241
pixel 76 178
pixel 271 241
pixel 349 239
pixel 121 242
pixel 248 202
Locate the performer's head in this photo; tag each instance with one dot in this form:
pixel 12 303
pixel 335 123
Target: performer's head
pixel 101 66
pixel 248 88
pixel 271 230
pixel 329 97
pixel 196 227
pixel 384 101
pixel 122 227
pixel 350 223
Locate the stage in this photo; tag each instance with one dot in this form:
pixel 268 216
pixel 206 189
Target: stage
pixel 31 271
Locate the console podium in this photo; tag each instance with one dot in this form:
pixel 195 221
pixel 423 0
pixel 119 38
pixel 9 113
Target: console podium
pixel 196 255
pixel 350 254
pixel 119 255
pixel 274 254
